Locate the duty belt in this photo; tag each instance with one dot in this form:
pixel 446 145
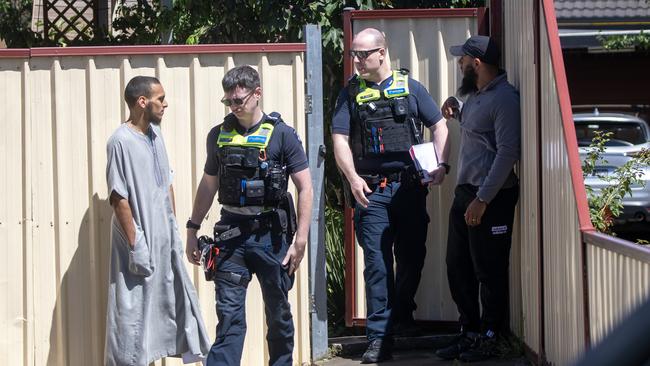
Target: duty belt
pixel 243 225
pixel 405 176
pixel 213 252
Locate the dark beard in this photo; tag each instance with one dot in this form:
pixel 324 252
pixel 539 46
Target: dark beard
pixel 468 85
pixel 149 116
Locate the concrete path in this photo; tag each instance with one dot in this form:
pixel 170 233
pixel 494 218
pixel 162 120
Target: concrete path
pixel 421 358
pixel 409 351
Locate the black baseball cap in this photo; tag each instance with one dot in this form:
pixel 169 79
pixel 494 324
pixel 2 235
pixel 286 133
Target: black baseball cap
pixel 481 47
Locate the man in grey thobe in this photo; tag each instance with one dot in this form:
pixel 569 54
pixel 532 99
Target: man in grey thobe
pixel 152 309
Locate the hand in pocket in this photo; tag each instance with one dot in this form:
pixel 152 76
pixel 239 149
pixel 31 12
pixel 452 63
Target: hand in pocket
pixel 139 256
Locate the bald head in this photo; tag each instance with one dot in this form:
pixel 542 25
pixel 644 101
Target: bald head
pixel 370 38
pixel 369 55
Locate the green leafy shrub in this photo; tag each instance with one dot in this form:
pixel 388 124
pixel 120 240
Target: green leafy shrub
pixel 607 203
pixel 335 257
pixel 15 24
pixel 639 41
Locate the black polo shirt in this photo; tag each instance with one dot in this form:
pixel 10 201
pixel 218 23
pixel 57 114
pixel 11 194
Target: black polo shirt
pixel 284 146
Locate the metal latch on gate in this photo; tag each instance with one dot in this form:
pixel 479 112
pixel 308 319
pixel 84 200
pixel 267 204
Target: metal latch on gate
pixel 308 103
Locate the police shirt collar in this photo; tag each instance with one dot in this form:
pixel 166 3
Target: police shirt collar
pixel 242 131
pixel 383 83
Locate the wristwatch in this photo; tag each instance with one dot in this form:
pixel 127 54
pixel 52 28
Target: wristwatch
pixel 481 200
pixel 446 166
pixel 190 225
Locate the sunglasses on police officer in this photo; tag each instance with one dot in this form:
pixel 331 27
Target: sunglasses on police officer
pixel 237 101
pixel 363 54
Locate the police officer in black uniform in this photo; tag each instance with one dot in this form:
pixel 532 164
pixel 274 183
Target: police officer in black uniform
pixel 378 117
pixel 250 157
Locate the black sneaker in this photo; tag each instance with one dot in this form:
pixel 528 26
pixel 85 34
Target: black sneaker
pixel 485 347
pixel 378 350
pixel 461 344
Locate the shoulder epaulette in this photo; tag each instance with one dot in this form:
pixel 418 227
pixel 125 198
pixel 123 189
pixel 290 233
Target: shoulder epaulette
pixel 274 118
pixel 229 122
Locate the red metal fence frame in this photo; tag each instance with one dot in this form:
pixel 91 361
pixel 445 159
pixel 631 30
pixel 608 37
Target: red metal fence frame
pixel 152 50
pixel 564 99
pixel 589 235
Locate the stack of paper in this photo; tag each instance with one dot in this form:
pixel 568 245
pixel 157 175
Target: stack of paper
pixel 425 159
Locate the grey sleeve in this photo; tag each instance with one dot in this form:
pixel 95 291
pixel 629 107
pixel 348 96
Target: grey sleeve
pixel 507 128
pixel 115 169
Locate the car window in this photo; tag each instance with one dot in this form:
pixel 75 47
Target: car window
pixel 624 133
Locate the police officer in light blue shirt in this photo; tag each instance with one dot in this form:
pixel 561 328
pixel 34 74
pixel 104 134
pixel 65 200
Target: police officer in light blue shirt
pixel 481 217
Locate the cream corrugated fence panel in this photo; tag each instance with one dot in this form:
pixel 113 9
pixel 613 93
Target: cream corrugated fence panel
pixel 422 46
pixel 562 244
pixel 13 306
pixel 618 284
pixel 58 113
pixel 519 61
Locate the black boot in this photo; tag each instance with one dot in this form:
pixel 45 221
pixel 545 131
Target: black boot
pixel 462 343
pixel 377 351
pixel 485 347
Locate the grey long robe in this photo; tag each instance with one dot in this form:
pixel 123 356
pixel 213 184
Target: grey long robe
pixel 152 309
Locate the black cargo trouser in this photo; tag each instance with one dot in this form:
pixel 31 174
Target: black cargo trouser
pixel 478 259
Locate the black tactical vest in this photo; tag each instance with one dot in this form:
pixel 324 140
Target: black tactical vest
pixel 386 125
pixel 246 177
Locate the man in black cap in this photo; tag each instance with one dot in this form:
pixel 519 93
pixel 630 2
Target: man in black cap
pixel 481 217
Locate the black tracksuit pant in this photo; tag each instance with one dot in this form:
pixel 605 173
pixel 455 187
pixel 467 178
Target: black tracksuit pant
pixel 478 258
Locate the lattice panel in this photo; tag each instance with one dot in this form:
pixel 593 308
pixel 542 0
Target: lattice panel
pixel 70 20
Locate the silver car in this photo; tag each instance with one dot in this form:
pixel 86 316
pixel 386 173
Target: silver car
pixel 630 135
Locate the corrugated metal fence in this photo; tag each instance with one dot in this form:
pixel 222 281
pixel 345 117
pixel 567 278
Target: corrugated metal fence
pixel 518 56
pixel 569 286
pixel 577 284
pixel 59 106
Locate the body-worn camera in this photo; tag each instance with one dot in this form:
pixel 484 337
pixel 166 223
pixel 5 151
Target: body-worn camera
pixel 400 107
pixel 276 182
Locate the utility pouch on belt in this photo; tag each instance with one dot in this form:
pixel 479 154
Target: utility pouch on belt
pixel 280 222
pixel 289 213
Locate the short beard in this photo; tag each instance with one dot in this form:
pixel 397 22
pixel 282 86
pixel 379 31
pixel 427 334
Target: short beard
pixel 150 116
pixel 468 85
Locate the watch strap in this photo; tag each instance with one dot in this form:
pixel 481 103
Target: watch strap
pixel 191 225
